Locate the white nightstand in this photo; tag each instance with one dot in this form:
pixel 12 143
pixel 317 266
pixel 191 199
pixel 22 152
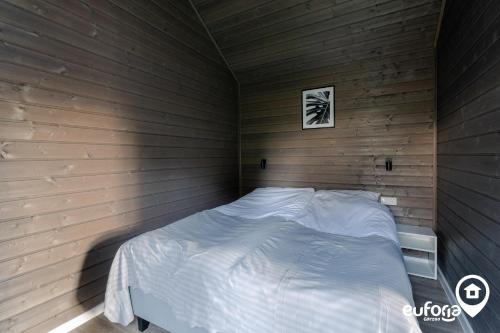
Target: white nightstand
pixel 421 239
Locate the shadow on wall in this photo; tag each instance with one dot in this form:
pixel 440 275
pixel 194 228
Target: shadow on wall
pixel 98 259
pixel 164 190
pixel 162 168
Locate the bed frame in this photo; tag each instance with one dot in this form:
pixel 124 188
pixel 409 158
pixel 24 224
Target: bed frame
pixel 150 309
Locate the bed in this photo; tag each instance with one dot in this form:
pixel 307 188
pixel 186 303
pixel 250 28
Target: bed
pixel 276 260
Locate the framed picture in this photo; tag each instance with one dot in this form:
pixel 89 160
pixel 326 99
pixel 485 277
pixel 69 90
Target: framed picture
pixel 318 108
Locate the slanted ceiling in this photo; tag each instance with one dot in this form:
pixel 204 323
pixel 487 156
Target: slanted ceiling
pixel 379 56
pixel 264 39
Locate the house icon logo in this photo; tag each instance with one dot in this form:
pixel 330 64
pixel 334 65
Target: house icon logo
pixel 472 291
pixel 471 303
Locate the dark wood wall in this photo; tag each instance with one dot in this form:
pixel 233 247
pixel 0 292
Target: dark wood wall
pixel 116 117
pixel 469 148
pixel 379 56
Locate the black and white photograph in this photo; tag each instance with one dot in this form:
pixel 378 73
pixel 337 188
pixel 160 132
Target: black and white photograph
pixel 318 108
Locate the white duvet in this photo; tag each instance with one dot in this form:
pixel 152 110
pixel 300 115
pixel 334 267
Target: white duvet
pixel 270 201
pixel 229 274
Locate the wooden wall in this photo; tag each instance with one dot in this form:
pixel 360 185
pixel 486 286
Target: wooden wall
pixel 379 56
pixel 116 117
pixel 469 148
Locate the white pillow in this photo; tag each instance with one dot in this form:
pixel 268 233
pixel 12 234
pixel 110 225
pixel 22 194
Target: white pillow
pixel 269 201
pixel 365 194
pixel 350 215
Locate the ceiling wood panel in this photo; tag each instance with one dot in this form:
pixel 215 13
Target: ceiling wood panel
pixel 257 34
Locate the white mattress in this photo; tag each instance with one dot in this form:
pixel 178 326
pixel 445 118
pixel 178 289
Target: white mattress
pixel 229 274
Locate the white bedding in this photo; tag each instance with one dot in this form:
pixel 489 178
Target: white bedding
pixel 229 274
pixel 286 202
pixel 349 214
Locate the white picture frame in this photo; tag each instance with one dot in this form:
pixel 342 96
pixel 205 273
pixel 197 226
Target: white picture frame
pixel 318 107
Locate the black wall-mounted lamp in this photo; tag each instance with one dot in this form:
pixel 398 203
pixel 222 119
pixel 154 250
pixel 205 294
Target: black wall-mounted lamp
pixel 263 163
pixel 388 164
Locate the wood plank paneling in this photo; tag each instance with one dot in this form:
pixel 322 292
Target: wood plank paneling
pixel 116 117
pixel 379 56
pixel 468 148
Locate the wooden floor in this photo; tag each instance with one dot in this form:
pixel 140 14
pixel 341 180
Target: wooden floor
pixel 423 290
pixel 431 290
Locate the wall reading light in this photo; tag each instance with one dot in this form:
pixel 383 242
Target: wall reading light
pixel 388 164
pixel 263 163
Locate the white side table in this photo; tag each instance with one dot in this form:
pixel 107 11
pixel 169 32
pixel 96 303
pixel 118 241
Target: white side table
pixel 421 239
